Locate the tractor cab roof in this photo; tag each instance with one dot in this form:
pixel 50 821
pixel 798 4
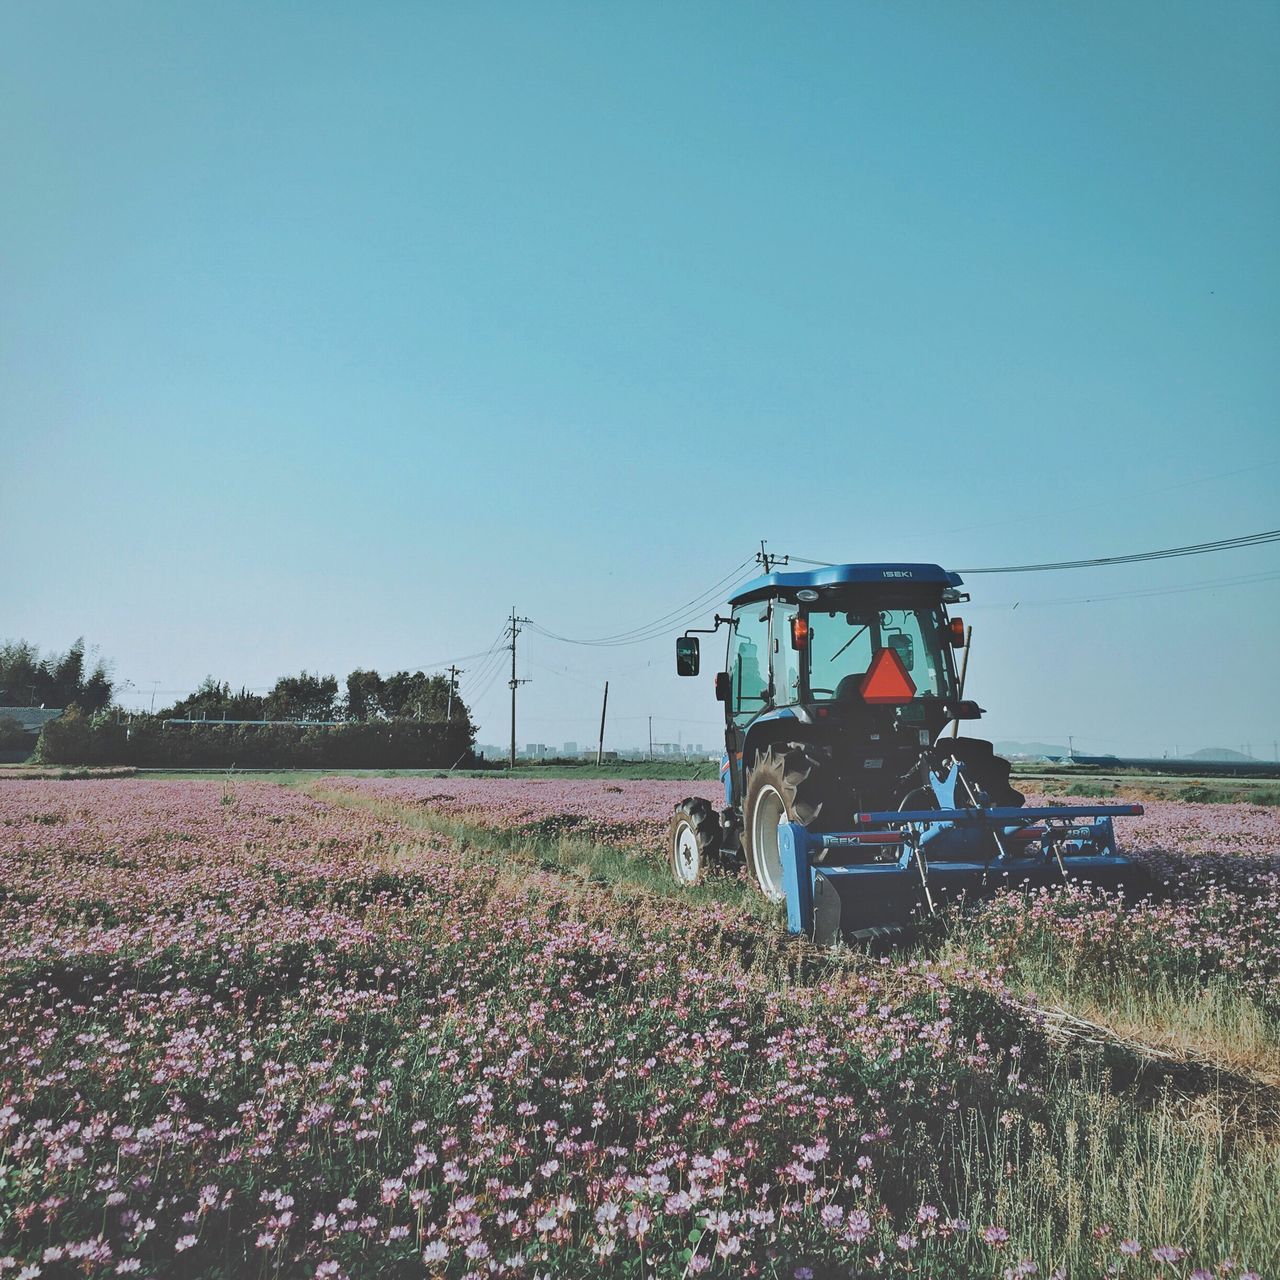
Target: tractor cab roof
pixel 842 575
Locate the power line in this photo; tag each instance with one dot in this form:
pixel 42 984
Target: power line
pixel 490 663
pixel 1140 557
pixel 479 695
pixel 1137 557
pixel 650 630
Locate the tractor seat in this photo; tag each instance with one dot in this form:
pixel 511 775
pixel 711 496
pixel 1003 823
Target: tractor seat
pixel 850 688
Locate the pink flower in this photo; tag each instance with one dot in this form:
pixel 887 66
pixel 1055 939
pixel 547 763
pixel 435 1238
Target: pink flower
pixel 857 1226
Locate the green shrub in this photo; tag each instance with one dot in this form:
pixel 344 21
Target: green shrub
pixel 13 737
pixel 149 743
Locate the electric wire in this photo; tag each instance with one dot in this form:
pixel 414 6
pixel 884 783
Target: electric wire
pixel 651 630
pixel 489 669
pixel 480 687
pixel 480 674
pixel 1137 557
pixel 478 697
pixel 664 622
pixel 487 658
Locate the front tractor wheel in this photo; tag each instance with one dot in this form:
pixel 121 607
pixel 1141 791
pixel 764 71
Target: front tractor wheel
pixel 783 786
pixel 692 840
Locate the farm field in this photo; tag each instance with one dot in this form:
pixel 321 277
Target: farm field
pixel 466 1027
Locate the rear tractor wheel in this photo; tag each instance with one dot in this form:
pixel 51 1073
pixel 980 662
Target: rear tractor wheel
pixel 693 840
pixel 783 786
pixel 985 770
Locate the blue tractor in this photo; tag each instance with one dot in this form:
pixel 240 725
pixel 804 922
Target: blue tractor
pixel 848 791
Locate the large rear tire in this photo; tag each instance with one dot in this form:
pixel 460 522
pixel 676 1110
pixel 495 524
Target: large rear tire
pixel 693 840
pixel 985 770
pixel 782 786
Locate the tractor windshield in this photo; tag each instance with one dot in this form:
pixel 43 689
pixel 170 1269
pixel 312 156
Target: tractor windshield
pixel 843 644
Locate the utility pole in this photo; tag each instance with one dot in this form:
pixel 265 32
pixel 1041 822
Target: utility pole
pixel 603 708
pixel 1071 747
pixel 650 737
pixel 155 684
pixel 514 628
pixel 454 673
pixel 767 561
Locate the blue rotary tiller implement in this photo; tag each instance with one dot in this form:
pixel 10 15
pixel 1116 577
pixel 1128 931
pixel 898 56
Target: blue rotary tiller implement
pixel 847 789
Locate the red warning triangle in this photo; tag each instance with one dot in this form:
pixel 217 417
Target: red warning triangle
pixel 887 680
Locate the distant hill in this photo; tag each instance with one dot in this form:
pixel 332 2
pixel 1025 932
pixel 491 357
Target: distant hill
pixel 1029 749
pixel 1220 753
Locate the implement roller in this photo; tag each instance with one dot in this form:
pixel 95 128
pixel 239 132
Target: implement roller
pixel 848 791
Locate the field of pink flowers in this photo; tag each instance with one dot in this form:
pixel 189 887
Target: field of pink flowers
pixel 245 1032
pixel 1216 868
pixel 631 813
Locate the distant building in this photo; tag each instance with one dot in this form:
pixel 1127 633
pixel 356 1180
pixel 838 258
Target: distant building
pixel 32 719
pixel 571 748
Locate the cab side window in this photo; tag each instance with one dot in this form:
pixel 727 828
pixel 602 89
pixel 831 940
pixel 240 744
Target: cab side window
pixel 786 660
pixel 749 661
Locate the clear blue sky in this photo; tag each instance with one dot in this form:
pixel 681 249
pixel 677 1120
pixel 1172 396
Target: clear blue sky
pixel 328 332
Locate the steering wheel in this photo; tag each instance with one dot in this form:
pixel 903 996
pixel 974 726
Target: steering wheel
pixel 814 689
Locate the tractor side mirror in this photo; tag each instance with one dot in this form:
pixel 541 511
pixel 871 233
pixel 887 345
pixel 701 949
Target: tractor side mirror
pixel 688 656
pixel 964 710
pixel 722 686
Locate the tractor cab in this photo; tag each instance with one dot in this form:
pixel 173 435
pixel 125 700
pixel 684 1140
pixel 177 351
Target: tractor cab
pixel 857 660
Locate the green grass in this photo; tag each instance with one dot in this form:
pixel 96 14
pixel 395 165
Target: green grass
pixel 604 867
pixel 1172 1170
pixel 1208 1023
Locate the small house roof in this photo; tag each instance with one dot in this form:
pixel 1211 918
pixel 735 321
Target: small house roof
pixel 32 719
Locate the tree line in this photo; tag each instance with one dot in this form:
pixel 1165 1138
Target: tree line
pixel 407 719
pixel 55 680
pixel 368 697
